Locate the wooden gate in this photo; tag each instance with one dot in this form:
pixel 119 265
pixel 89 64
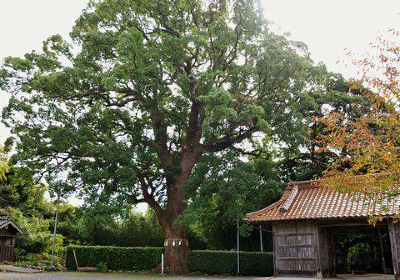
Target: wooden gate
pixel 295 248
pixel 6 253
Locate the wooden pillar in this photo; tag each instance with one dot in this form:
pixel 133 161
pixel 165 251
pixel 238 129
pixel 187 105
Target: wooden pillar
pixel 394 234
pixel 382 251
pixel 274 241
pixel 332 256
pixel 318 263
pixel 12 251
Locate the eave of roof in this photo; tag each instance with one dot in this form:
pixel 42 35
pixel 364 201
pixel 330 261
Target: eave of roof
pixel 9 222
pixel 310 200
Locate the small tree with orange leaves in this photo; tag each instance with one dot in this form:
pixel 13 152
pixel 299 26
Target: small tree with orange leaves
pixel 367 142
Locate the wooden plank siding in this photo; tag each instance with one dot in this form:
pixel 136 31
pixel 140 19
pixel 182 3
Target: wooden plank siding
pixel 6 253
pixel 7 243
pixel 303 248
pixel 295 248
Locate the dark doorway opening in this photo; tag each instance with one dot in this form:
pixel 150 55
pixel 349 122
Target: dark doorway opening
pixel 362 249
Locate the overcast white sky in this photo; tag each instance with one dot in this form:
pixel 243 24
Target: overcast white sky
pixel 326 26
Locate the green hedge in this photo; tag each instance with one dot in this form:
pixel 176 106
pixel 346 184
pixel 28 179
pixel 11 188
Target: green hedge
pixel 115 258
pixel 225 262
pixel 207 262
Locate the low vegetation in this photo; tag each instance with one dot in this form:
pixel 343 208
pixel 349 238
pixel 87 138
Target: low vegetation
pixel 141 259
pixel 114 258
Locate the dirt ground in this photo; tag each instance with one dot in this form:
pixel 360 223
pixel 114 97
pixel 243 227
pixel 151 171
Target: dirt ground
pixel 106 276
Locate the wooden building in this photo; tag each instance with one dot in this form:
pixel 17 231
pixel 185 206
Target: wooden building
pixel 8 232
pixel 302 222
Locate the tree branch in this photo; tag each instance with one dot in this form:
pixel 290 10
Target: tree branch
pixel 221 144
pixel 161 140
pixel 191 148
pixel 147 197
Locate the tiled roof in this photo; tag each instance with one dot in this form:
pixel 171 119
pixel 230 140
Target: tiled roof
pixel 313 200
pixel 6 221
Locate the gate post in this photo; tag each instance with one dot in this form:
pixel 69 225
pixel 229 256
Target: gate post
pixel 394 234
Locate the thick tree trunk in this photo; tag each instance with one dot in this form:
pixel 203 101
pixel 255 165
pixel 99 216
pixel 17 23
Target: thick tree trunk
pixel 176 245
pixel 176 254
pixel 176 250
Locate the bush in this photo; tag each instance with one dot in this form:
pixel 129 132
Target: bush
pixel 40 261
pixel 114 258
pixel 225 262
pixel 102 267
pixel 206 262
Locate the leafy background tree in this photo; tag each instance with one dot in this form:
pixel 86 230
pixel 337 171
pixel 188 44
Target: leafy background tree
pixel 25 202
pixel 98 225
pixel 222 190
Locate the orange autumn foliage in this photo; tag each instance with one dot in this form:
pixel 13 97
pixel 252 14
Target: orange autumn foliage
pixel 367 142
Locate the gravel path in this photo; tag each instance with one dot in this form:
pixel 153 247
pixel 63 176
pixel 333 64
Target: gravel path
pixel 126 276
pixel 109 276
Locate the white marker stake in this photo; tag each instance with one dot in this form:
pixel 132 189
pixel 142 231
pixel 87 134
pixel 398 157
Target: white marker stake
pixel 162 264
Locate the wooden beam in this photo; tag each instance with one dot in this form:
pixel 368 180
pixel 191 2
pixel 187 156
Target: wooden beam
pixel 344 223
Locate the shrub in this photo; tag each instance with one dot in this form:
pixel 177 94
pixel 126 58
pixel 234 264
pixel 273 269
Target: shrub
pixel 101 267
pixel 40 261
pixel 115 258
pixel 225 262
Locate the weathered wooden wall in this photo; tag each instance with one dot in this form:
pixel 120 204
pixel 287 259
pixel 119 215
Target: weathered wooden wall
pixel 7 243
pixel 6 253
pixel 296 248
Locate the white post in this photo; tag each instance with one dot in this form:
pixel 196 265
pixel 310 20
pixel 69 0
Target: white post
pixel 162 264
pixel 238 246
pixel 261 240
pixel 55 229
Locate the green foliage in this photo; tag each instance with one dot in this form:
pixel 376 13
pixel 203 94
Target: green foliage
pixel 25 203
pixel 223 189
pixel 356 257
pixel 115 258
pixel 110 226
pixel 40 261
pixel 24 200
pixel 101 267
pixel 360 251
pixel 138 259
pixel 3 164
pixel 112 107
pixel 225 262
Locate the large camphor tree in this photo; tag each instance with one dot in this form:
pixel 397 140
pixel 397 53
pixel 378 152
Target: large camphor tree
pixel 126 109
